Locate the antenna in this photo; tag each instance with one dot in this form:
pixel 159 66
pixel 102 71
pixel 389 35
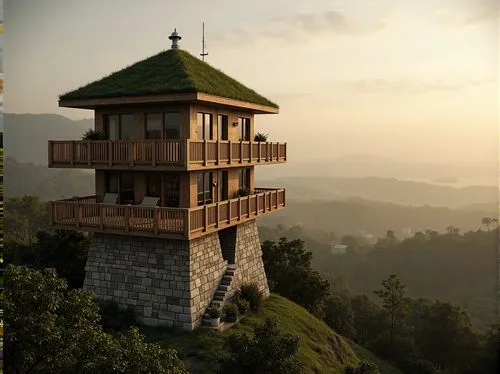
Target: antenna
pixel 203 53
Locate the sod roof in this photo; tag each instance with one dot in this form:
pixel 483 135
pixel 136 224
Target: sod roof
pixel 170 72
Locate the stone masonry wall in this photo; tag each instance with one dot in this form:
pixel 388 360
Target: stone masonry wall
pixel 166 282
pixel 249 264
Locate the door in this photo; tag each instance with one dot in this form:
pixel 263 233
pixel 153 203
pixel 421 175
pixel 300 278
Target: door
pixel 222 185
pixel 222 127
pixel 171 190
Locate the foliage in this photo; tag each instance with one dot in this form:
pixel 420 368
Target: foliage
pixel 270 351
pixel 260 137
pixel 24 217
pixel 115 319
pixel 213 311
pixel 52 329
pixel 339 315
pixel 230 312
pixel 64 250
pixel 289 273
pixel 243 191
pixel 364 367
pixel 251 293
pixel 171 71
pixel 92 134
pixel 242 305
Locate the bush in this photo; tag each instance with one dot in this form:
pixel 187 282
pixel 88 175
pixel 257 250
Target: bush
pixel 243 191
pixel 213 311
pixel 260 137
pixel 241 304
pixel 364 367
pixel 93 135
pixel 251 293
pixel 115 319
pixel 230 312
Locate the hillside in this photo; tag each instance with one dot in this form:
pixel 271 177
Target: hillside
pixel 359 216
pixel 321 349
pixel 27 135
pixel 390 190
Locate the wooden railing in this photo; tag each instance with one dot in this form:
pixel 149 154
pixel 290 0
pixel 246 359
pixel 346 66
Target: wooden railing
pixel 85 214
pixel 186 153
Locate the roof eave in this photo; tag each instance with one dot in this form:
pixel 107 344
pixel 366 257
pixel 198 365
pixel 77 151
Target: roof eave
pixel 170 98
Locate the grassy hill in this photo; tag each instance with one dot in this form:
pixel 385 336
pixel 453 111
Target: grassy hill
pixel 321 349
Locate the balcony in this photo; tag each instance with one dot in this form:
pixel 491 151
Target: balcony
pixel 163 154
pixel 86 214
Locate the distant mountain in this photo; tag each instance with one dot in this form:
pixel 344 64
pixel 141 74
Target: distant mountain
pixel 387 190
pixel 26 136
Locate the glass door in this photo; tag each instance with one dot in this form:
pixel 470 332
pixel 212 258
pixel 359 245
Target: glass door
pixel 171 190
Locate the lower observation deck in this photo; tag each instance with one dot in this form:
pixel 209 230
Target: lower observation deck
pixel 85 214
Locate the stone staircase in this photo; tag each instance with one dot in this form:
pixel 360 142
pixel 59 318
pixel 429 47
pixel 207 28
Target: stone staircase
pixel 223 292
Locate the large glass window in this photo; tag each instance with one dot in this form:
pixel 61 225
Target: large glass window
pixel 244 124
pixel 171 190
pixel 119 127
pixel 205 126
pixel 223 185
pixel 222 129
pixel 153 184
pixel 121 183
pixel 163 125
pixel 244 178
pixel 205 183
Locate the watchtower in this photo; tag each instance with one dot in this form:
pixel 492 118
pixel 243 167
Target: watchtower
pixel 175 204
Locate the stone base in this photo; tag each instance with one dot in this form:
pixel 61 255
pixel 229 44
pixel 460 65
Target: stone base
pixel 170 282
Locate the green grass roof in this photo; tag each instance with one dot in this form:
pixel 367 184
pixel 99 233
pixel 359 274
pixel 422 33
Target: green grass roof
pixel 169 72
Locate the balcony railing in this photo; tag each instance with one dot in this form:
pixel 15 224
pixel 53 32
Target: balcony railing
pixel 85 214
pixel 188 154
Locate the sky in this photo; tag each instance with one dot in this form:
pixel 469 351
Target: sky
pixel 413 80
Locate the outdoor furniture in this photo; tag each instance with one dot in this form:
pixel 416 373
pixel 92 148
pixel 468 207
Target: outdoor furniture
pixel 110 198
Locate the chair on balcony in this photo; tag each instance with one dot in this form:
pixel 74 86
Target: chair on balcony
pixel 149 202
pixel 110 198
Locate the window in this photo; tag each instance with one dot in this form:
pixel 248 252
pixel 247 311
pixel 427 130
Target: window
pixel 222 183
pixel 112 182
pixel 244 178
pixel 119 126
pixel 171 190
pixel 153 184
pixel 163 125
pixel 244 124
pixel 204 121
pixel 121 183
pixel 205 188
pixel 222 130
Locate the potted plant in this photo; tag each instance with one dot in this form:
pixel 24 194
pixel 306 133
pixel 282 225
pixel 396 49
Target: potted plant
pixel 243 191
pixel 91 134
pixel 241 304
pixel 230 312
pixel 260 137
pixel 213 312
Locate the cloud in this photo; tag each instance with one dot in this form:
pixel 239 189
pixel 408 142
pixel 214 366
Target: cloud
pixel 461 13
pixel 299 27
pixel 407 86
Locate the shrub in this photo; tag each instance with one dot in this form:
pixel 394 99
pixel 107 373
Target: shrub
pixel 242 304
pixel 243 191
pixel 230 312
pixel 251 293
pixel 213 311
pixel 364 367
pixel 91 134
pixel 260 137
pixel 115 319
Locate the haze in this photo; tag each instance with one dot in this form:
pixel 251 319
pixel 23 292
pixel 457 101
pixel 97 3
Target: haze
pixel 401 79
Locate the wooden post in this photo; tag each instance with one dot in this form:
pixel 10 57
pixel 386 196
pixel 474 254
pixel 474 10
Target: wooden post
pixel 239 208
pixel 155 220
pixel 127 218
pixel 217 159
pixel 277 151
pixel 72 153
pixel 260 152
pixel 284 146
pixel 186 154
pixel 77 215
pixel 205 152
pixel 248 211
pixel 217 214
pixel 230 153
pixel 250 152
pixel 205 215
pixel 229 211
pixel 241 151
pixel 153 152
pixel 101 217
pixel 187 223
pixel 110 152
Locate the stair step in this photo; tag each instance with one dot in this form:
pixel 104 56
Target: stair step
pixel 231 267
pixel 229 272
pixel 226 281
pixel 222 293
pixel 224 287
pixel 219 298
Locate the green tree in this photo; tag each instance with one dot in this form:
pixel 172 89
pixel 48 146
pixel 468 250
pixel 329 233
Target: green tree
pixel 368 323
pixel 24 217
pixel 339 316
pixel 270 351
pixel 52 329
pixel 395 303
pixel 289 273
